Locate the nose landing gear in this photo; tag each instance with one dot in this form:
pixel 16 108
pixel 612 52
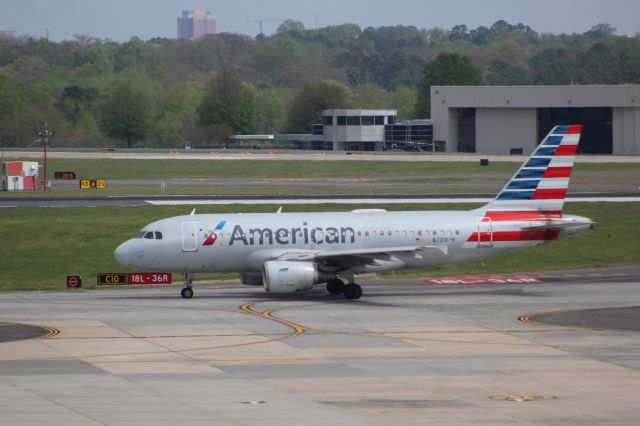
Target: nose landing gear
pixel 187 290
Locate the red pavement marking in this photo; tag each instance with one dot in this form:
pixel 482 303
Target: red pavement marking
pixel 471 280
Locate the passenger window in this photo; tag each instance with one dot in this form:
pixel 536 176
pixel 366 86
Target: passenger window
pixel 149 235
pixel 366 234
pixel 389 233
pixel 457 232
pixel 158 235
pixel 419 232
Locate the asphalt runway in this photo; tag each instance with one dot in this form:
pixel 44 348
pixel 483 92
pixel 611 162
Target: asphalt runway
pixel 408 352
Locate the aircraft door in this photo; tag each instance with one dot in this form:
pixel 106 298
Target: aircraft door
pixel 189 236
pixel 485 233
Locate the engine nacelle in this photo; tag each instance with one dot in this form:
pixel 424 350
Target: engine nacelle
pixel 251 278
pixel 289 277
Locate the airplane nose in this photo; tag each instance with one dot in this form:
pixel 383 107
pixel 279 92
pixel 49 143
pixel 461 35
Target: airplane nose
pixel 122 254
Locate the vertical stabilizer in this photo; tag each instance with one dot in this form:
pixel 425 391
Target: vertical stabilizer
pixel 542 181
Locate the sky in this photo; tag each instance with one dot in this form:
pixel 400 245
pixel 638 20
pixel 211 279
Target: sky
pixel 119 20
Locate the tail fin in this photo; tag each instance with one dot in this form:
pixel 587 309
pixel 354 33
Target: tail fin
pixel 542 181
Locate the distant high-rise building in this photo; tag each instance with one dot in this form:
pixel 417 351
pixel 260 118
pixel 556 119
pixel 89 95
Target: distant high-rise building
pixel 195 23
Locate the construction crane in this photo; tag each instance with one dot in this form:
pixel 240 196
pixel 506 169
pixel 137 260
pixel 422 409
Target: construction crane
pixel 262 21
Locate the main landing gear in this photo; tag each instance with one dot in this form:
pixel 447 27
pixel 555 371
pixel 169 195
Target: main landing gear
pixel 187 290
pixel 350 291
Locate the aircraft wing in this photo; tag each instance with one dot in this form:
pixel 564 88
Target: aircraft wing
pixel 347 258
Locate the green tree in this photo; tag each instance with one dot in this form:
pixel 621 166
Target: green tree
pixel 601 31
pixel 230 101
pixel 290 26
pixel 448 69
pixel 270 110
pixel 306 108
pixel 126 114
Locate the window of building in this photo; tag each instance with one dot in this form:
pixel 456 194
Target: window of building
pixel 353 120
pixel 317 129
pixel 391 119
pixel 367 120
pixel 342 120
pixel 328 120
pixel 379 120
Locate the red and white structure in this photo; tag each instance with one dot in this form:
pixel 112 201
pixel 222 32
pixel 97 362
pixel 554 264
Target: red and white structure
pixel 20 176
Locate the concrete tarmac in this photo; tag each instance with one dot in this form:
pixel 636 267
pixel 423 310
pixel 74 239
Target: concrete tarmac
pixel 406 353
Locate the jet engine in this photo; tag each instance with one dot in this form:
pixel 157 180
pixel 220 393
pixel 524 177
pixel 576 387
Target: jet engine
pixel 288 276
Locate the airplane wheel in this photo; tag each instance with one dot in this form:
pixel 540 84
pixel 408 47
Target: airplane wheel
pixel 335 286
pixel 187 293
pixel 352 291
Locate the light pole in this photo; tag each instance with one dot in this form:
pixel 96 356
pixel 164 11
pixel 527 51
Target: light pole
pixel 44 135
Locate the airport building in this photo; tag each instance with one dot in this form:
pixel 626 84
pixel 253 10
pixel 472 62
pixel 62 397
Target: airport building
pixel 513 119
pixel 194 24
pixel 372 130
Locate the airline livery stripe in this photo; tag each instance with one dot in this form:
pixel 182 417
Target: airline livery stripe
pixel 554 183
pixel 538 162
pixel 558 172
pixel 561 161
pixel 552 140
pixel 509 216
pixel 574 129
pixel 546 150
pixel 523 184
pixel 566 150
pixel 549 194
pixel 515 195
pixel 538 235
pixel 530 173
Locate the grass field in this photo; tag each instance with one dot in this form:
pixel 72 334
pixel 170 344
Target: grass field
pixel 403 176
pixel 256 169
pixel 40 246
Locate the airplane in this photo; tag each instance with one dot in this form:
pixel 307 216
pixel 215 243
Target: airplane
pixel 292 252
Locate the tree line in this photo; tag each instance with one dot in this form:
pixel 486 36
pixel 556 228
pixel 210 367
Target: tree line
pixel 167 93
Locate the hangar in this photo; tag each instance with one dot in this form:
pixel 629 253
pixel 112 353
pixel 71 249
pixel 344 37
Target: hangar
pixel 513 119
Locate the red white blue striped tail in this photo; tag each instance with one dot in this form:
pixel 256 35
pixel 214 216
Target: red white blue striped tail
pixel 542 181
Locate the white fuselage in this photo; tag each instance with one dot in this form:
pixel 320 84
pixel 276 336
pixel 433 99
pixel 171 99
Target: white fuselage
pixel 246 241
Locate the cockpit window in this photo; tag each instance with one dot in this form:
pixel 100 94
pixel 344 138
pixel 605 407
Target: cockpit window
pixel 149 235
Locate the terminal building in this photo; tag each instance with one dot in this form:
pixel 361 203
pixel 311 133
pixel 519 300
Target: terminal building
pixel 513 119
pixel 371 130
